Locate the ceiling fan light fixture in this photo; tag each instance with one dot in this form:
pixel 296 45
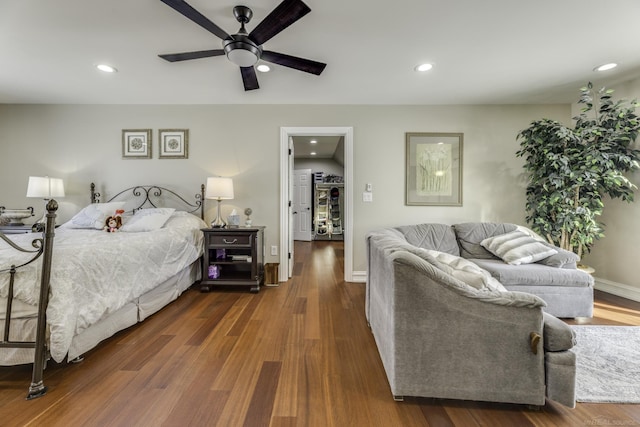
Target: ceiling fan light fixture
pixel 606 67
pixel 242 53
pixel 242 57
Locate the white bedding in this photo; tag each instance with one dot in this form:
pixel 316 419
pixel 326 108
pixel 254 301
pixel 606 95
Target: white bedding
pixel 95 273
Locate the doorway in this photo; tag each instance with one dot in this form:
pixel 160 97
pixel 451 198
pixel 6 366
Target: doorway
pixel 286 188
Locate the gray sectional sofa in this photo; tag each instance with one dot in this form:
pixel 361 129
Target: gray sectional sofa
pixel 446 327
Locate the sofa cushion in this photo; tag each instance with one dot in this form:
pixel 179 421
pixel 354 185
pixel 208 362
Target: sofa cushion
pixel 534 274
pixel 517 248
pixel 470 234
pixel 465 271
pixel 558 336
pixel 438 237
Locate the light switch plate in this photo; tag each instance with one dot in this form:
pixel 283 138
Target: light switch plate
pixel 367 196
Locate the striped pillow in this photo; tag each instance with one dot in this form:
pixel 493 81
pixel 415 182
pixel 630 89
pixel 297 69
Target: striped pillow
pixel 517 248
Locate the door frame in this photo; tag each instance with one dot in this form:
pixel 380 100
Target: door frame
pixel 285 216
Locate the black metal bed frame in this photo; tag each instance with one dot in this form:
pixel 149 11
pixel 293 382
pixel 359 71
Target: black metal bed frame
pixel 43 248
pixel 150 195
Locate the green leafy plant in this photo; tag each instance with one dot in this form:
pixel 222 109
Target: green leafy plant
pixel 571 170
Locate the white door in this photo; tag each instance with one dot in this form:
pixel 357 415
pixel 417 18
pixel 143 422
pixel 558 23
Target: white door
pixel 302 223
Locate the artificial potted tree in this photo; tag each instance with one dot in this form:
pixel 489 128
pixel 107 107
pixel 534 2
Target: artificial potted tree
pixel 571 170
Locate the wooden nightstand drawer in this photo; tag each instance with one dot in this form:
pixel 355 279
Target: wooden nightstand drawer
pixel 230 240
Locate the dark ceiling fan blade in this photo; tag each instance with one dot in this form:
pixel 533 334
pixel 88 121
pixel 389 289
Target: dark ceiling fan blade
pixel 249 78
pixel 185 9
pixel 174 57
pixel 306 65
pixel 285 14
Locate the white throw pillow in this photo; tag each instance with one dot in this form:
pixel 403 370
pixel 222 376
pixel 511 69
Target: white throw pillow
pixel 466 271
pixel 517 248
pixel 94 215
pixel 147 219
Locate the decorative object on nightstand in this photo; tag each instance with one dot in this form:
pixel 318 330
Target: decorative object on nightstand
pixel 14 217
pixel 219 188
pixel 233 257
pixel 46 188
pixel 248 212
pixel 233 220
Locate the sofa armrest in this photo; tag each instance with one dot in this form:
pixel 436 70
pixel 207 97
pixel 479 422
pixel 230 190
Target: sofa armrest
pixel 558 336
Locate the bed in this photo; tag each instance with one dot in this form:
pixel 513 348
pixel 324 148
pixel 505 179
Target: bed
pixel 100 282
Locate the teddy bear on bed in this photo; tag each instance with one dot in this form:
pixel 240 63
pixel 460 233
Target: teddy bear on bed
pixel 114 222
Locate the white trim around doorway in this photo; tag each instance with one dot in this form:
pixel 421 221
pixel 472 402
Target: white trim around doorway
pixel 285 134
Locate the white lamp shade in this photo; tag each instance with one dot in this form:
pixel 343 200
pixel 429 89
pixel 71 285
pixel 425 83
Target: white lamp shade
pixel 44 187
pixel 219 188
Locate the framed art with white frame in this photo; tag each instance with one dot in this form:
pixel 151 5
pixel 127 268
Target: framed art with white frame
pixel 434 169
pixel 136 143
pixel 173 143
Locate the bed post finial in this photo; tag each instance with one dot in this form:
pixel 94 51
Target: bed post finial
pixel 95 197
pixel 202 187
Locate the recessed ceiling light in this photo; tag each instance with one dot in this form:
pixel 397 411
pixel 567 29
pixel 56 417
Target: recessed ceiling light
pixel 313 153
pixel 605 67
pixel 424 67
pixel 313 141
pixel 106 68
pixel 263 68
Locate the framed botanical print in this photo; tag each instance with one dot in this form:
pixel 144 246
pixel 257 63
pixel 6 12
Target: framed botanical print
pixel 136 143
pixel 173 143
pixel 434 169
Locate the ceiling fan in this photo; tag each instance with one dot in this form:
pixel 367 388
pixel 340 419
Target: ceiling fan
pixel 245 49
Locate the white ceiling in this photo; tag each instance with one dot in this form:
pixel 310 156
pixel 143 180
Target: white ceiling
pixel 324 147
pixel 491 51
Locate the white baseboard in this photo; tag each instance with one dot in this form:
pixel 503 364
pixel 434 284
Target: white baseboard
pixel 359 276
pixel 619 289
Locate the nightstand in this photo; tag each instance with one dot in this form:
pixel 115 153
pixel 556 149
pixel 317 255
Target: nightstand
pixel 15 229
pixel 233 257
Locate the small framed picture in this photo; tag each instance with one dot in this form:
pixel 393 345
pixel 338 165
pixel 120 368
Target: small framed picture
pixel 136 143
pixel 433 169
pixel 174 143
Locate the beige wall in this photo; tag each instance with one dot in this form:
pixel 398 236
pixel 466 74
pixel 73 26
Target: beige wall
pixel 82 143
pixel 615 257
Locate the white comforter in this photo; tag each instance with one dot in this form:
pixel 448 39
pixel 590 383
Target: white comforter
pixel 94 273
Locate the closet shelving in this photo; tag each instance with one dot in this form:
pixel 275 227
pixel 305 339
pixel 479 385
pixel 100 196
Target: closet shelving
pixel 328 211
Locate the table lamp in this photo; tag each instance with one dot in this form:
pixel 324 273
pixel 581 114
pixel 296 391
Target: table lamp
pixel 46 188
pixel 219 188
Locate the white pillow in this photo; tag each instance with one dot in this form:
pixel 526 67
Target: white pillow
pixel 517 248
pixel 94 215
pixel 466 271
pixel 147 219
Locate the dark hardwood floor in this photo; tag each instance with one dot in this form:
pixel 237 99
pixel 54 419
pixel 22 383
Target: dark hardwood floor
pixel 300 354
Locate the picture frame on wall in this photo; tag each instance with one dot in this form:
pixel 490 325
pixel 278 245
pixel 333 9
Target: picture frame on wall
pixel 433 169
pixel 136 143
pixel 173 143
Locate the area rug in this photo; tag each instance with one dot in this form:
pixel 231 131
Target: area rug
pixel 607 364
